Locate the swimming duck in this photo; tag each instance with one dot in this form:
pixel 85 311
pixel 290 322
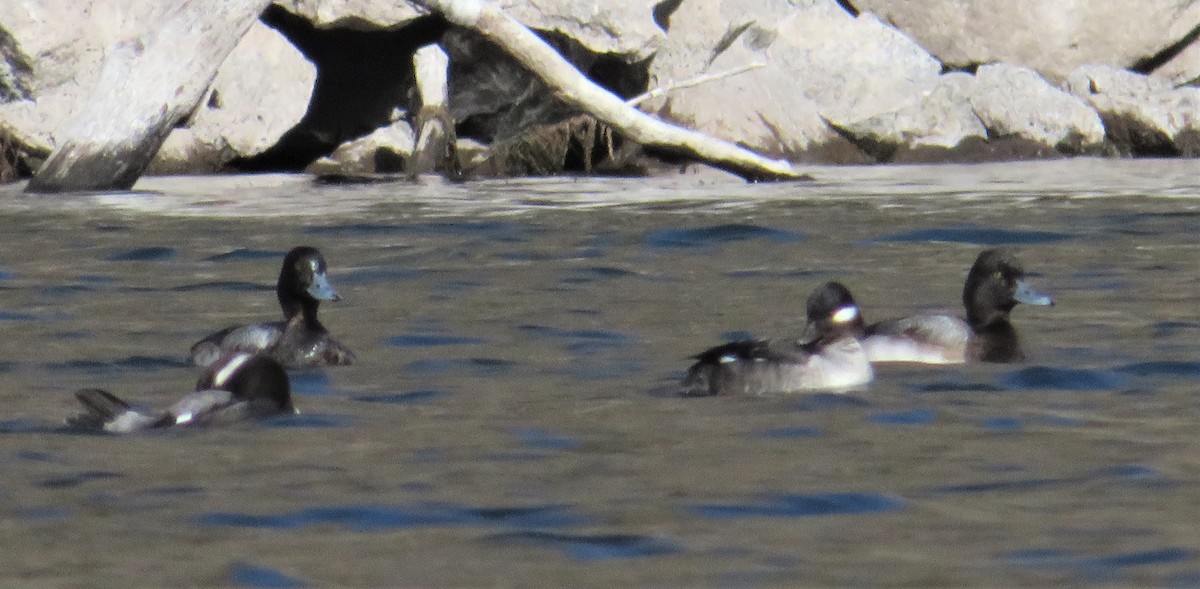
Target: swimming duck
pixel 299 340
pixel 236 387
pixel 995 284
pixel 832 359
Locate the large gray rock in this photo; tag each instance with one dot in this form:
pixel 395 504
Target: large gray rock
pixel 940 117
pixel 382 152
pixel 1051 37
pixel 821 64
pixel 1144 115
pixel 355 14
pixel 1016 101
pixel 262 89
pixel 626 28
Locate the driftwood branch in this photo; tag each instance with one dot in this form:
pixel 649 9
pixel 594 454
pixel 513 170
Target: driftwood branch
pixel 689 83
pixel 147 85
pixel 434 145
pixel 574 88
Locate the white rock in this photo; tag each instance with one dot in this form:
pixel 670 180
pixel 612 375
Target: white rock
pixel 1145 115
pixel 391 144
pixel 626 27
pixel 260 92
pixel 1051 37
pixel 940 117
pixel 1014 100
pixel 820 64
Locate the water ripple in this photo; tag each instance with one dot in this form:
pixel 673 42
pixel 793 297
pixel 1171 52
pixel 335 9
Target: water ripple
pixel 590 547
pixel 718 234
pixel 1097 567
pixel 479 367
pixel 984 236
pixel 913 417
pixel 420 340
pixel 1060 379
pixel 594 274
pixel 143 254
pixel 138 363
pixel 309 420
pixel 783 433
pixel 224 286
pixel 249 575
pixel 77 479
pixel 409 398
pixel 245 254
pixel 1162 368
pixel 541 439
pixel 796 505
pixel 369 518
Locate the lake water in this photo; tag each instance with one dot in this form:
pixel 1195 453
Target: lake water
pixel 512 419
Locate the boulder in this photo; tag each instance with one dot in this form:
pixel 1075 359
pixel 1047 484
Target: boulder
pixel 1053 38
pixel 940 117
pixel 625 28
pixel 1144 115
pixel 1016 101
pixel 260 91
pixel 384 151
pixel 820 64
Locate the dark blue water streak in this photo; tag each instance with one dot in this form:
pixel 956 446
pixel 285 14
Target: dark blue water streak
pixel 541 439
pixel 1093 569
pixel 590 548
pixel 477 367
pixel 784 433
pixel 132 363
pixel 409 398
pixel 1060 379
pixel 224 286
pixel 370 518
pixel 1166 368
pixel 798 505
pixel 714 235
pixel 143 254
pixel 258 577
pixel 983 236
pixel 309 420
pixel 246 254
pixel 920 416
pixel 421 340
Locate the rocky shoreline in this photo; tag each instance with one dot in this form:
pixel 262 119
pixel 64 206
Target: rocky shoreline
pixel 327 86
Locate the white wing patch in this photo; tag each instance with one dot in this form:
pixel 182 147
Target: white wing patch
pixel 229 369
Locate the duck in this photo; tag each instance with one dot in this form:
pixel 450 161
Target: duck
pixel 995 285
pixel 240 386
pixel 300 340
pixel 832 359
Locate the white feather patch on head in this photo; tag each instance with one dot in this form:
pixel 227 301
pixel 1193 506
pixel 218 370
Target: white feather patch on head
pixel 230 367
pixel 845 314
pixel 183 418
pixel 727 359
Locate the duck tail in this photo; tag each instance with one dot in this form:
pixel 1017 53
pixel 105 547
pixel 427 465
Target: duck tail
pixel 103 411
